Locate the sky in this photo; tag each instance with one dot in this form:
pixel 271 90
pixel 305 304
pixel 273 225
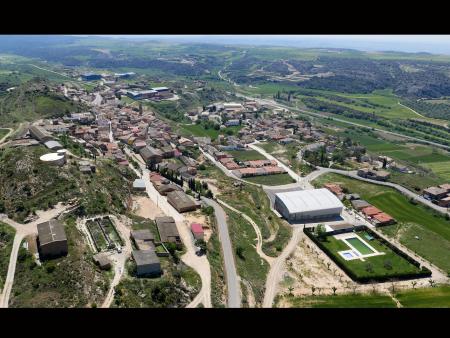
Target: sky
pixel 438 44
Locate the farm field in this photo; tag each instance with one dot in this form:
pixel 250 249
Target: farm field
pixel 245 155
pixel 436 160
pixel 277 179
pixel 387 265
pixel 343 301
pixel 437 297
pixel 430 227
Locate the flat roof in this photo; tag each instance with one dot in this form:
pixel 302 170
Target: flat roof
pixel 51 231
pixel 139 183
pixel 144 257
pixel 309 200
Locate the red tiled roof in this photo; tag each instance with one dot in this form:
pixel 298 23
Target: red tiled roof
pixel 383 217
pixel 370 211
pixel 197 228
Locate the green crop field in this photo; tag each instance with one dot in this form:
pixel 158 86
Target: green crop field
pixel 389 264
pixel 246 155
pixel 431 227
pixel 277 179
pixel 343 301
pixel 440 168
pixel 437 297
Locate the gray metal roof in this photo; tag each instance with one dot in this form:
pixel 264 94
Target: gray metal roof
pixel 309 200
pixel 139 183
pixel 51 231
pixel 144 257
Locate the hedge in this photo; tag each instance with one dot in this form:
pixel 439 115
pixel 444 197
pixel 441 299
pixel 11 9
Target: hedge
pixel 425 272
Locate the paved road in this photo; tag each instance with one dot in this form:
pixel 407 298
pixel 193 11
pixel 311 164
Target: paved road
pixel 353 174
pixel 291 173
pixel 233 285
pixel 199 264
pixel 279 105
pixel 23 230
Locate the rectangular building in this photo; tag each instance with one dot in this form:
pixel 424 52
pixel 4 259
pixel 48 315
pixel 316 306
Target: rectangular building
pixel 147 263
pixel 167 229
pixel 52 240
pixel 308 205
pixel 181 202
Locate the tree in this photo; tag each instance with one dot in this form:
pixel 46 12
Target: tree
pixel 432 282
pixel 334 290
pixel 384 162
pixel 313 289
pixel 320 231
pixel 290 290
pixel 240 252
pixel 414 283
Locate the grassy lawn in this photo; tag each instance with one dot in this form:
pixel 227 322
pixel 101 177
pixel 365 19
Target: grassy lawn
pixel 199 130
pixel 343 301
pixel 6 242
pixel 389 264
pixel 277 179
pixel 246 155
pixel 413 220
pixel 437 297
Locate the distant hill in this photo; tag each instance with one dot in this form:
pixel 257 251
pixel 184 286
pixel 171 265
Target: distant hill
pixel 34 100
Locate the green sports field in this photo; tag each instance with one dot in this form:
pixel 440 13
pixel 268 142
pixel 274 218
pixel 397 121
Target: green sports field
pixel 277 179
pixel 389 264
pixel 246 155
pixel 432 229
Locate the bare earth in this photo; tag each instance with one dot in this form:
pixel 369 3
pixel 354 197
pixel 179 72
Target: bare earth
pixel 144 207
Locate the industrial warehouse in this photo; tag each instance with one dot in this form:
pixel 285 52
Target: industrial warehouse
pixel 308 205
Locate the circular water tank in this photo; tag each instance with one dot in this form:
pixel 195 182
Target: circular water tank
pixel 54 159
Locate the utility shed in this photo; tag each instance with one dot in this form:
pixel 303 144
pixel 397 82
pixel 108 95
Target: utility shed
pixel 308 205
pixel 52 240
pixel 359 204
pixel 139 184
pixel 53 145
pixel 180 201
pixel 147 263
pixel 102 261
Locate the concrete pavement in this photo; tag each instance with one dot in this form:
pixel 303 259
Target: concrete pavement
pixel 233 285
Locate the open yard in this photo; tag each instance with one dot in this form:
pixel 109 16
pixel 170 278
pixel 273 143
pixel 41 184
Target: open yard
pixel 432 229
pixel 277 179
